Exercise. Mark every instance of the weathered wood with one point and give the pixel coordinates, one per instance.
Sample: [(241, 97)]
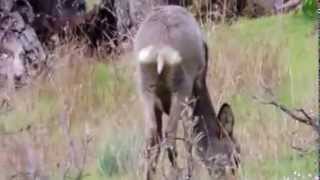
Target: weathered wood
[(287, 6)]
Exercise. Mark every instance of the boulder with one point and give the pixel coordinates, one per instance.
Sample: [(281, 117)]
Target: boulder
[(20, 49)]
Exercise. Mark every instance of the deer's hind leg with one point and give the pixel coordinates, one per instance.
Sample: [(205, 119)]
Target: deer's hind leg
[(153, 123)]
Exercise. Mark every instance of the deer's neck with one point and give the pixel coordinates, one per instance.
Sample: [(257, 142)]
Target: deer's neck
[(204, 110)]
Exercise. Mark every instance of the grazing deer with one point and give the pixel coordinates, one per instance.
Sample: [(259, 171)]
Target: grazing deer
[(172, 64)]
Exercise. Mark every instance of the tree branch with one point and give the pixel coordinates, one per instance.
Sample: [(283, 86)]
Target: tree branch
[(299, 115)]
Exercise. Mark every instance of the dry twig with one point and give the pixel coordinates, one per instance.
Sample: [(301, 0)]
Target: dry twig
[(299, 115)]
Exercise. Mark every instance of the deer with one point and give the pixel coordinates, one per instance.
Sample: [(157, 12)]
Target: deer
[(172, 60)]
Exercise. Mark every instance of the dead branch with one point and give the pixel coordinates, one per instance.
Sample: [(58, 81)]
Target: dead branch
[(290, 5), (299, 115)]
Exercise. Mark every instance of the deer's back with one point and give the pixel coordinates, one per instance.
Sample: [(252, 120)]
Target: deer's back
[(175, 27)]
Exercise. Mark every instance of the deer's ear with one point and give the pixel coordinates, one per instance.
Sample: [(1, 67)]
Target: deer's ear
[(226, 119)]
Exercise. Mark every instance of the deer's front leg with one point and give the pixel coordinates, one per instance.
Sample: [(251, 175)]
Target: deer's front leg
[(182, 92)]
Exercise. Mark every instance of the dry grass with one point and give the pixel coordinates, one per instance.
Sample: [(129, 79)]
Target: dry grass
[(83, 98)]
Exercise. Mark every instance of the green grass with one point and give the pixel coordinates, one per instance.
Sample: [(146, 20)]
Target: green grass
[(290, 166), (297, 38), (287, 47)]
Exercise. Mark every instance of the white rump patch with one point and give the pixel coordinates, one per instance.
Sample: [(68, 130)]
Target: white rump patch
[(162, 56), (171, 56), (146, 55)]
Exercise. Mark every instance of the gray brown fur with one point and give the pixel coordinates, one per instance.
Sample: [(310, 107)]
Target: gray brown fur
[(166, 32)]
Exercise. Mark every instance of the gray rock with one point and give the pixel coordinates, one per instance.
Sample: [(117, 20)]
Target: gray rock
[(6, 5), (22, 52)]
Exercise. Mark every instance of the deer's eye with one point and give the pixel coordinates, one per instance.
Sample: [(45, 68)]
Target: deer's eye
[(35, 66)]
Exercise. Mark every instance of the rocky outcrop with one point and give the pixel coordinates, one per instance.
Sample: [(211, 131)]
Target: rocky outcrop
[(21, 52)]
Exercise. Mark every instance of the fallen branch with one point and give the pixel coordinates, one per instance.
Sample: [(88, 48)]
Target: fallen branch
[(299, 115), (290, 5)]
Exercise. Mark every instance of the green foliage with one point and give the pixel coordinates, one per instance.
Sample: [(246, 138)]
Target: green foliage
[(309, 8)]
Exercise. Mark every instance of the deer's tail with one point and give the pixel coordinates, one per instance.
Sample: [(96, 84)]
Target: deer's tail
[(164, 56)]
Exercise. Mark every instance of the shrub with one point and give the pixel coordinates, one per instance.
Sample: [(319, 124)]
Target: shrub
[(309, 8)]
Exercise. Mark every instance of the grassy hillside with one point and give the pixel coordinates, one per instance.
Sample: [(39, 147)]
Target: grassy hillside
[(85, 119), (278, 54)]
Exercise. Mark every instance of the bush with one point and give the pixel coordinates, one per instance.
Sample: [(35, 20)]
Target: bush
[(309, 8)]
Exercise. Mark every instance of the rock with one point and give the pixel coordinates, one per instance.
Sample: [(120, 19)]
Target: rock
[(6, 5), (25, 10), (22, 53)]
